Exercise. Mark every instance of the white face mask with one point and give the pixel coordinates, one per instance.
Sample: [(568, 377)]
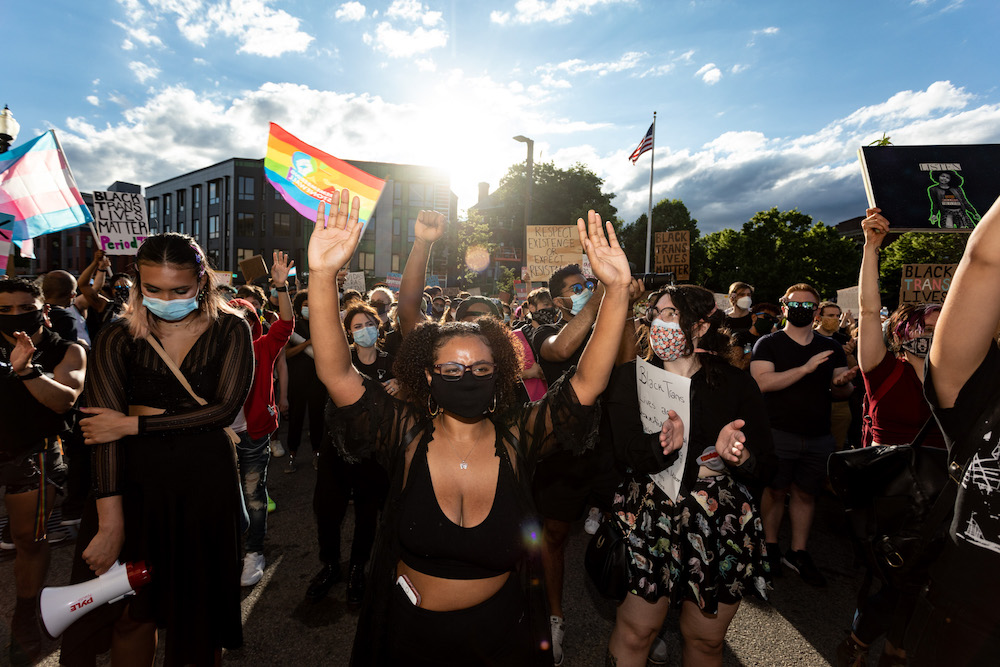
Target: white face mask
[(744, 303)]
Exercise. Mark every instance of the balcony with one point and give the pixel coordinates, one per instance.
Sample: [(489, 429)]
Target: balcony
[(507, 254)]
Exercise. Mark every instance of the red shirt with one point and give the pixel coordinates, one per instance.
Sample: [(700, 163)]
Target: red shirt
[(902, 410), (260, 411)]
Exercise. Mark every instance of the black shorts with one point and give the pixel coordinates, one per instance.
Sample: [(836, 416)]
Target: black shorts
[(23, 473), (566, 485), (801, 460)]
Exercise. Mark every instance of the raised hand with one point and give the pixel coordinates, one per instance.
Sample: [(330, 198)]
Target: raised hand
[(280, 268), (875, 227), (430, 226), (335, 238), (24, 350), (607, 259)]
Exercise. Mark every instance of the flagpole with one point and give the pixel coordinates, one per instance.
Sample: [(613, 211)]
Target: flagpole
[(649, 215)]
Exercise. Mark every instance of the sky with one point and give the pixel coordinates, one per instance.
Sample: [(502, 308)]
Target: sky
[(759, 104)]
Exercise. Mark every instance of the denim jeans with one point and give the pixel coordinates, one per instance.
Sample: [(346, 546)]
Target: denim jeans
[(253, 456)]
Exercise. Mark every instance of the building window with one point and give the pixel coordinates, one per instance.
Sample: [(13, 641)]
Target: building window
[(213, 226), (180, 202), (154, 209), (166, 206), (213, 192), (90, 242), (244, 224), (213, 256), (395, 226), (395, 264), (246, 185), (196, 197), (397, 194), (244, 253), (166, 227), (180, 226), (282, 224), (195, 228), (416, 195), (411, 233), (366, 261), (298, 226)]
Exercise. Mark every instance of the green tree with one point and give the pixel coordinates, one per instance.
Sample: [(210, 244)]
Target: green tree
[(668, 215), (916, 248), (558, 196), (473, 241), (505, 283), (775, 250)]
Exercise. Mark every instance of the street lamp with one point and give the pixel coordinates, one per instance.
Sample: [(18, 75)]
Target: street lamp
[(8, 129), (527, 199)]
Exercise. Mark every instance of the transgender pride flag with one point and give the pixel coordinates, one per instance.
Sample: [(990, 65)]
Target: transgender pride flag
[(6, 232), (38, 189), (305, 175)]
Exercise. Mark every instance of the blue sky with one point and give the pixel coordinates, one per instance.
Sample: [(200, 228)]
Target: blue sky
[(759, 104)]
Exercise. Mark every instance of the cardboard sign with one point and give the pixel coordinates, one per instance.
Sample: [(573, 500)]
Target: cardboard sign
[(221, 278), (253, 268), (659, 392), (356, 280), (551, 247), (926, 283), (848, 300), (672, 253), (393, 280), (931, 188), (120, 221)]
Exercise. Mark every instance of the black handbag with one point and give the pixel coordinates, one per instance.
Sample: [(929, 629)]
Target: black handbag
[(607, 560), (889, 493)]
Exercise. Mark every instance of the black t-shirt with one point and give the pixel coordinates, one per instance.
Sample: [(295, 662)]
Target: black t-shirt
[(63, 323), (969, 562), (804, 406), (553, 370), (745, 339), (739, 323), (380, 369)]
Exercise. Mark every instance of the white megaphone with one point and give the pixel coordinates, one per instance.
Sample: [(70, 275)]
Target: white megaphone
[(60, 606)]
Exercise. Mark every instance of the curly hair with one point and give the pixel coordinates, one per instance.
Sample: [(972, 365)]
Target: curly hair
[(907, 322), (694, 305), (419, 351), (10, 285)]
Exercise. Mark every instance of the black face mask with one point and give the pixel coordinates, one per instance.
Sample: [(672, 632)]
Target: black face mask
[(381, 307), (468, 397), (764, 324), (546, 315), (29, 323), (918, 347), (800, 317)]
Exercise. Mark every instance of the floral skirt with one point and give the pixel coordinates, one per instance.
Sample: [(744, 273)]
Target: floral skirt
[(706, 547)]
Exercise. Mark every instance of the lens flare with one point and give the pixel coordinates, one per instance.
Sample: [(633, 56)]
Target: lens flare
[(477, 258)]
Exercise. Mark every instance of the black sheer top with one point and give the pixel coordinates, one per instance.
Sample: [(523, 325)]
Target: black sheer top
[(124, 371)]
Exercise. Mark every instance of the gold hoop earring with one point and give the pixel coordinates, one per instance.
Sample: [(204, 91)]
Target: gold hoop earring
[(494, 406), (436, 410)]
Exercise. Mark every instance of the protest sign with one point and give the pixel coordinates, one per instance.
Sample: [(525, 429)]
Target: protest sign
[(931, 188), (659, 392), (253, 268), (847, 299), (926, 283), (221, 278), (520, 290), (120, 221), (672, 253), (356, 280), (392, 280), (551, 247)]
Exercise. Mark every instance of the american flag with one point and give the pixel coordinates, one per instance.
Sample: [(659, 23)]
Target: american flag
[(644, 145)]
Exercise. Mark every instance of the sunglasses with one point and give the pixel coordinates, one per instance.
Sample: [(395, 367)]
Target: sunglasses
[(578, 287), (811, 305)]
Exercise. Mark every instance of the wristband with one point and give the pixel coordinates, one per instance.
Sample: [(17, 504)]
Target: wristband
[(283, 288), (36, 372)]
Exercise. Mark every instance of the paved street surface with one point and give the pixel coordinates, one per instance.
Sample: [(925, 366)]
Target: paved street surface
[(800, 626)]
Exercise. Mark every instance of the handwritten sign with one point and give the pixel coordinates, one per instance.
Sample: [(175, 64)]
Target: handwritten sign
[(221, 278), (672, 252), (520, 290), (847, 299), (392, 281), (551, 247), (926, 283), (659, 392), (356, 281), (120, 221)]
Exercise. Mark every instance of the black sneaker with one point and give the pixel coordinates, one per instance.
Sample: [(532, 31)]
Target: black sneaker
[(355, 586), (773, 558), (323, 582), (25, 636), (800, 561)]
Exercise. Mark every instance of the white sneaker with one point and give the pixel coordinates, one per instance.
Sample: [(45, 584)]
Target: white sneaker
[(277, 450), (593, 521), (558, 632), (253, 569)]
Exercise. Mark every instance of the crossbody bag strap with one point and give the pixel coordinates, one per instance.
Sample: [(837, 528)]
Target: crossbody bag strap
[(153, 343), (884, 388)]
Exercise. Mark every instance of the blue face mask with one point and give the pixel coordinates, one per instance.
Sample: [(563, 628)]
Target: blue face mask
[(367, 336), (172, 310), (580, 300), (305, 312)]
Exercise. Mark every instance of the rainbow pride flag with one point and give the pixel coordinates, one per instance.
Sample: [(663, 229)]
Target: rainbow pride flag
[(305, 175)]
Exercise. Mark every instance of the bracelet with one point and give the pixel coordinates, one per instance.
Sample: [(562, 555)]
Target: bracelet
[(283, 288), (36, 372)]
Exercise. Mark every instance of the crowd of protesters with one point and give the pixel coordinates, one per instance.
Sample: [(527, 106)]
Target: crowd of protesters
[(459, 424)]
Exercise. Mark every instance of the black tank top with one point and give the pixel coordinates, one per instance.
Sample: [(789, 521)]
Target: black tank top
[(433, 544)]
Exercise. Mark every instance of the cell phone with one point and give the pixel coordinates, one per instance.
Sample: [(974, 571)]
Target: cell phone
[(404, 582)]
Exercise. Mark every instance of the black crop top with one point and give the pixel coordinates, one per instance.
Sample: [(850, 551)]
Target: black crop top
[(433, 544)]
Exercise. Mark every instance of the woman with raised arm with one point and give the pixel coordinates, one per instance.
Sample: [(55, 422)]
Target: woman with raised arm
[(452, 579), (892, 367), (164, 467)]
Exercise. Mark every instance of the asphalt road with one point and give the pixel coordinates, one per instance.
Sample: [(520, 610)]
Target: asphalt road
[(801, 625)]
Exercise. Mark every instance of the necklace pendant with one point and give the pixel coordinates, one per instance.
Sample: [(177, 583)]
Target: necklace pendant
[(463, 465)]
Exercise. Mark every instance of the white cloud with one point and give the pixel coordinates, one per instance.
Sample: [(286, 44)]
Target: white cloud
[(397, 43), (629, 60), (143, 72), (350, 11), (739, 67), (710, 74), (767, 32), (554, 11), (138, 33), (687, 57), (425, 65), (659, 70), (93, 99), (413, 11)]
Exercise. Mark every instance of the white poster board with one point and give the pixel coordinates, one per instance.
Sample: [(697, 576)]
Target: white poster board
[(120, 221), (356, 280), (659, 392), (847, 299)]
